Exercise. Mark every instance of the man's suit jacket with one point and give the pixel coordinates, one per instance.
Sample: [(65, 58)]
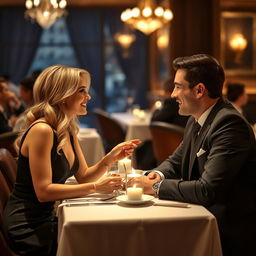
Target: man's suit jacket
[(4, 126), (220, 175)]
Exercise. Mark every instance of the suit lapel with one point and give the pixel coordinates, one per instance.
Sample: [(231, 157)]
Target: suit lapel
[(186, 150), (205, 128), (196, 148)]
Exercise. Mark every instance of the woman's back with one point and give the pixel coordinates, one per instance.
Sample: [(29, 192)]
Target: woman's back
[(28, 220)]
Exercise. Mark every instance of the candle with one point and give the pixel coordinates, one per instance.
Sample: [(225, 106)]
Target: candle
[(136, 112), (141, 114), (134, 193), (124, 166), (158, 104)]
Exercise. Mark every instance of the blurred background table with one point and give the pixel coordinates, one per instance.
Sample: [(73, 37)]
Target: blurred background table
[(91, 145), (142, 230), (136, 128)]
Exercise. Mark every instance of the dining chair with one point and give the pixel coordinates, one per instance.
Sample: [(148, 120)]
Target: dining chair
[(7, 140), (8, 165), (4, 195), (111, 130), (165, 139)]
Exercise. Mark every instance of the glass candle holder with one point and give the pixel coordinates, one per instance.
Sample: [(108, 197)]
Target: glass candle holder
[(124, 166), (134, 185)]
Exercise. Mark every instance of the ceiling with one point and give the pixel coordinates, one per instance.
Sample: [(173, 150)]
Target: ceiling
[(79, 2), (91, 3)]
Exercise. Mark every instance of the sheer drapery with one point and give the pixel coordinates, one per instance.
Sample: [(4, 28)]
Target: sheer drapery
[(19, 39)]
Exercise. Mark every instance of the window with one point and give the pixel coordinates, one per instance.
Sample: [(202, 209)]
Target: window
[(115, 89), (55, 48)]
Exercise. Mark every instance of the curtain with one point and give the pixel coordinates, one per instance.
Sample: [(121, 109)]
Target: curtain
[(135, 66), (85, 29), (19, 39)]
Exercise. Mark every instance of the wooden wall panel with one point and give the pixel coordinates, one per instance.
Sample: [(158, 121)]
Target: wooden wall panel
[(195, 27)]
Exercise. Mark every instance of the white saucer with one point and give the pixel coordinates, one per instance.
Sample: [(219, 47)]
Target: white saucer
[(145, 198)]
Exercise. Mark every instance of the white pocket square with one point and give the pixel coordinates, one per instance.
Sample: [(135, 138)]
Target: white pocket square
[(200, 152)]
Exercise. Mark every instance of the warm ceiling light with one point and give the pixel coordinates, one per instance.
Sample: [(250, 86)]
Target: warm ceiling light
[(147, 17), (45, 12)]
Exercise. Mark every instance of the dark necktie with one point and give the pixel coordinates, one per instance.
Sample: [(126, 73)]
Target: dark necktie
[(195, 130), (194, 135)]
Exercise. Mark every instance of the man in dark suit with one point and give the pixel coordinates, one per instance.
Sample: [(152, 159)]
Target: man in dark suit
[(10, 107), (215, 165)]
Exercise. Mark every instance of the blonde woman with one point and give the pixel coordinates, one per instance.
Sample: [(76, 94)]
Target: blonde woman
[(49, 153)]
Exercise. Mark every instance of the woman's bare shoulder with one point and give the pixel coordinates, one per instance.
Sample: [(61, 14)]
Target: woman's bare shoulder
[(41, 130)]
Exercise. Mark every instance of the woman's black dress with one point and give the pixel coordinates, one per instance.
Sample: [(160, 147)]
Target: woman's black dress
[(31, 226)]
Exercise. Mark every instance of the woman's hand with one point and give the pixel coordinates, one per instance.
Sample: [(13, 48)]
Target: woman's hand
[(107, 185), (122, 150)]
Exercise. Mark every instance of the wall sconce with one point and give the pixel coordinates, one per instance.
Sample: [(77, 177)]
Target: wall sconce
[(163, 37), (125, 40), (238, 43)]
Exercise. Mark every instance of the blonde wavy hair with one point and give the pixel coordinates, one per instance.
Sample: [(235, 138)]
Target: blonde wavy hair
[(52, 87)]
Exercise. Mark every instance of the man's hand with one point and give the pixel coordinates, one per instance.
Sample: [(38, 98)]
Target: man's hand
[(149, 180)]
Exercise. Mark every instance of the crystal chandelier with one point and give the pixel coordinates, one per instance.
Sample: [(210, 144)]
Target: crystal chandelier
[(45, 12), (147, 17)]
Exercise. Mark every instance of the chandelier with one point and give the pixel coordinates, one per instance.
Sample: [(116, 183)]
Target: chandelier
[(45, 12), (147, 17)]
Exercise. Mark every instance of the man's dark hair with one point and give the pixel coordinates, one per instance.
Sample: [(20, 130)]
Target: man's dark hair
[(2, 80), (35, 73), (28, 83), (234, 91), (202, 68)]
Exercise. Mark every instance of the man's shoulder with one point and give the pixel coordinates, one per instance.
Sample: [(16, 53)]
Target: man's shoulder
[(228, 112), (230, 119)]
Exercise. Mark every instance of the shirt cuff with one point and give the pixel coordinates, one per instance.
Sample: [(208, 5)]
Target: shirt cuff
[(160, 173)]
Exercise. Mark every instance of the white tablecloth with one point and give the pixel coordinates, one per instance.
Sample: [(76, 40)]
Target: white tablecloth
[(142, 230), (91, 145), (136, 128)]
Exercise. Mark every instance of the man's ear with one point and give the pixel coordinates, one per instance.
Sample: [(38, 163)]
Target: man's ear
[(200, 90)]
